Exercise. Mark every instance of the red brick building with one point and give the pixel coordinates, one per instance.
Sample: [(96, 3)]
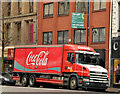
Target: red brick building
[(55, 25)]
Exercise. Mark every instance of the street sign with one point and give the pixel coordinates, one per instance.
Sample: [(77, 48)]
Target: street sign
[(77, 20)]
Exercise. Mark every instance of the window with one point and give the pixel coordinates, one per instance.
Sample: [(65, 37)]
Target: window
[(48, 9), (31, 6), (70, 57), (47, 38), (63, 8), (99, 5), (19, 31), (9, 8), (80, 36), (19, 6), (30, 40), (8, 31), (87, 59), (99, 35), (81, 6), (62, 37)]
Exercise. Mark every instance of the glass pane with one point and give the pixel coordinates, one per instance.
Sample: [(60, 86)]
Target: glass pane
[(31, 2), (95, 35), (81, 6), (45, 38), (102, 34), (83, 35), (50, 38), (66, 7), (116, 71), (77, 36), (61, 8), (51, 9), (66, 37), (103, 4), (78, 7), (96, 5), (46, 10), (19, 4), (60, 37)]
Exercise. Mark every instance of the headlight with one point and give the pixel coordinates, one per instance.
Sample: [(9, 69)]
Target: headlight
[(85, 79)]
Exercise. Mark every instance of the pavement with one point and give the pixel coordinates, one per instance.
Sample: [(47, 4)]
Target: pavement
[(114, 90)]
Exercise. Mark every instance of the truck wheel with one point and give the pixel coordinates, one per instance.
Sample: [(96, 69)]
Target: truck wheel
[(24, 80), (73, 83), (32, 80)]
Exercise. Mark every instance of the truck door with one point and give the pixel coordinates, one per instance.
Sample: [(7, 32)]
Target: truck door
[(69, 62)]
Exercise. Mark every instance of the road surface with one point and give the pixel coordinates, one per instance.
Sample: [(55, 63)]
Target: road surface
[(17, 89)]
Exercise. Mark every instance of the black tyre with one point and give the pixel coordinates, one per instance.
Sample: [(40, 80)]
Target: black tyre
[(24, 81), (32, 81), (73, 83)]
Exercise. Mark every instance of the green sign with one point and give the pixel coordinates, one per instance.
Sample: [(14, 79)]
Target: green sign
[(77, 20)]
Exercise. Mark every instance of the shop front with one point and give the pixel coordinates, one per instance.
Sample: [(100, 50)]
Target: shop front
[(115, 63)]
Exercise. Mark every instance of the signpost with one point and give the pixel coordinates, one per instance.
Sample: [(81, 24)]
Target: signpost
[(77, 20)]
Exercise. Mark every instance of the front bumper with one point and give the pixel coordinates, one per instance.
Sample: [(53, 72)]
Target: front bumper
[(95, 85)]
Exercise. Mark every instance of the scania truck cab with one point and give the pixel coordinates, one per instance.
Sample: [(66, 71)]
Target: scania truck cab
[(84, 63)]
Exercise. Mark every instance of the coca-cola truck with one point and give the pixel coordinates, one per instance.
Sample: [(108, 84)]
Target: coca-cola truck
[(68, 65)]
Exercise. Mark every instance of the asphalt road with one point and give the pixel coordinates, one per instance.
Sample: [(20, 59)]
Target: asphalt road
[(34, 90)]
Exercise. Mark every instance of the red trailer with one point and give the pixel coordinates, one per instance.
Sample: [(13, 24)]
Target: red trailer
[(71, 65)]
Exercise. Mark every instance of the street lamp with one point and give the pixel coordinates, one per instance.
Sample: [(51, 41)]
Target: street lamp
[(88, 23)]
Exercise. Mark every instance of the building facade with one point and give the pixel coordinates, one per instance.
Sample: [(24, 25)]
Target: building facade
[(55, 25), (19, 23), (115, 57)]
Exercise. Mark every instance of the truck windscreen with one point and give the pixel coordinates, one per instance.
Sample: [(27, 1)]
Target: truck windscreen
[(87, 59)]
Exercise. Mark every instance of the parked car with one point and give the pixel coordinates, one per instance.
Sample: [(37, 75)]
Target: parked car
[(6, 78)]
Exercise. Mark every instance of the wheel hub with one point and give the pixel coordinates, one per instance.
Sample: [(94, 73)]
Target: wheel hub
[(31, 81), (73, 83)]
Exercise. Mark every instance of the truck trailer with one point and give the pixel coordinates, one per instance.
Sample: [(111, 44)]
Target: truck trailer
[(67, 65)]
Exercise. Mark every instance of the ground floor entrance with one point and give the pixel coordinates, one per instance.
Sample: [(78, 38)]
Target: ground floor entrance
[(115, 63)]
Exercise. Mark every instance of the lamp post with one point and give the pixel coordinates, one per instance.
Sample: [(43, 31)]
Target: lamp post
[(87, 22), (2, 39)]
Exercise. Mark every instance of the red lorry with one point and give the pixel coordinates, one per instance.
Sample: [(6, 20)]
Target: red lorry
[(69, 65)]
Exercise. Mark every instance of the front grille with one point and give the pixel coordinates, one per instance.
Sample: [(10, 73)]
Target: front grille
[(98, 77)]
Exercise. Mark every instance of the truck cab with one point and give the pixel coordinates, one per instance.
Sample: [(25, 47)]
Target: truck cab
[(82, 63)]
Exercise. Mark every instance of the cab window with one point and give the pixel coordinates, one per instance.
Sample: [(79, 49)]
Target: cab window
[(70, 57)]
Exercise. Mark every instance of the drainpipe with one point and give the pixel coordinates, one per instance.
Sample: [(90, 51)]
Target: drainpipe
[(110, 38), (37, 25)]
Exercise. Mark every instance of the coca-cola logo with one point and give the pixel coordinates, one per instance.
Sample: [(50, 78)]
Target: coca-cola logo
[(37, 59)]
